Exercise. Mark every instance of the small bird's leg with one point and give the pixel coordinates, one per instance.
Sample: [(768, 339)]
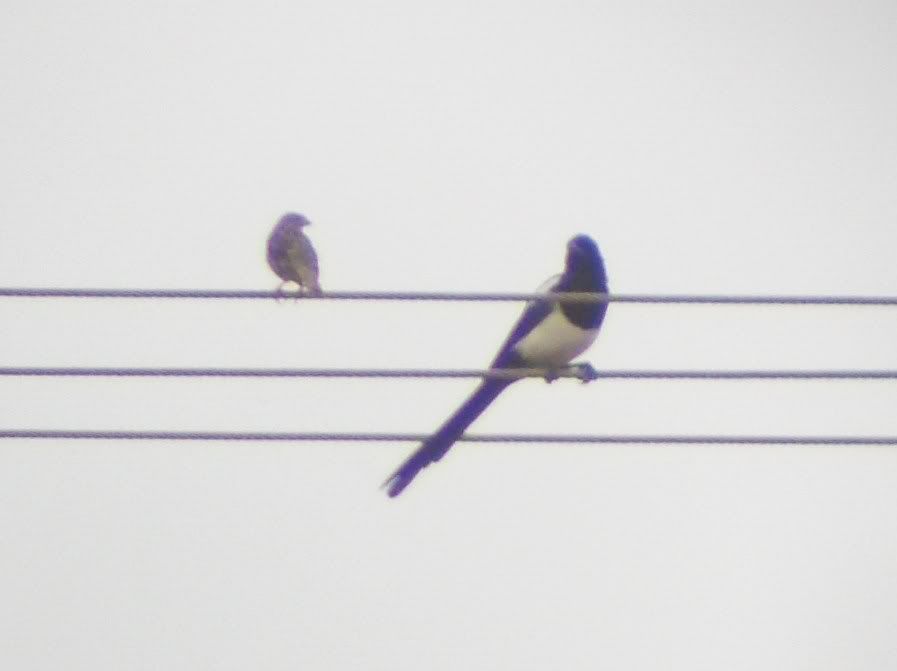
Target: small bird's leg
[(552, 374), (280, 294), (283, 293)]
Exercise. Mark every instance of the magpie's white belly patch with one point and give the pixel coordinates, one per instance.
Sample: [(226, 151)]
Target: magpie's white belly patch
[(555, 342)]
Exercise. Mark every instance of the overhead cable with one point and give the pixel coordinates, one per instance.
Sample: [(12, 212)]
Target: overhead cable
[(568, 297), (66, 434), (504, 374)]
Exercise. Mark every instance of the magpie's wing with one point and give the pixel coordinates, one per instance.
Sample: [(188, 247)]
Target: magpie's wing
[(533, 314), (435, 447)]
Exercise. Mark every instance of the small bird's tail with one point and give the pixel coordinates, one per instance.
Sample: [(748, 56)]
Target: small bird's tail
[(314, 287), (435, 447)]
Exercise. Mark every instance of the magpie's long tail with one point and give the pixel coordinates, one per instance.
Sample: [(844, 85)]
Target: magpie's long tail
[(435, 447)]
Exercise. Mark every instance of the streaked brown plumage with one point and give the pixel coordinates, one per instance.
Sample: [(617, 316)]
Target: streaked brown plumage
[(291, 255)]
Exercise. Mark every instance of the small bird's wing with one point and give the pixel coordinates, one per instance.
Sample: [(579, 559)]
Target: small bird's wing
[(292, 257), (304, 253), (303, 259), (277, 258)]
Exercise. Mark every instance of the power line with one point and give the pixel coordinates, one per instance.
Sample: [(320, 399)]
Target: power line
[(387, 373), (473, 438), (451, 296)]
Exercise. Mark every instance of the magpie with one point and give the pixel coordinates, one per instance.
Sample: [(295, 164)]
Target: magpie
[(549, 334)]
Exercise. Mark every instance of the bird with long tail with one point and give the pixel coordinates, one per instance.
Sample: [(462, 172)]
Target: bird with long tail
[(548, 335)]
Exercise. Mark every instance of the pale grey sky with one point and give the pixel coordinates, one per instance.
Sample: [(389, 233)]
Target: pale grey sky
[(708, 147)]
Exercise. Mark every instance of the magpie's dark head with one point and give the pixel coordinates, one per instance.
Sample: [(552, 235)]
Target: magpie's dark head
[(582, 251), (585, 268), (293, 220)]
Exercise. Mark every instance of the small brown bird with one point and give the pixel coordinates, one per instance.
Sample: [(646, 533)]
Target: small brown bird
[(291, 255)]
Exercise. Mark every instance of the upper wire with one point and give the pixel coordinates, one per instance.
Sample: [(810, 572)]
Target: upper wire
[(567, 297), (506, 374), (70, 434)]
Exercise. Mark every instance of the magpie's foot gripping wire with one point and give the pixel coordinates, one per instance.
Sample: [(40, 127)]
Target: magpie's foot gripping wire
[(584, 371)]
